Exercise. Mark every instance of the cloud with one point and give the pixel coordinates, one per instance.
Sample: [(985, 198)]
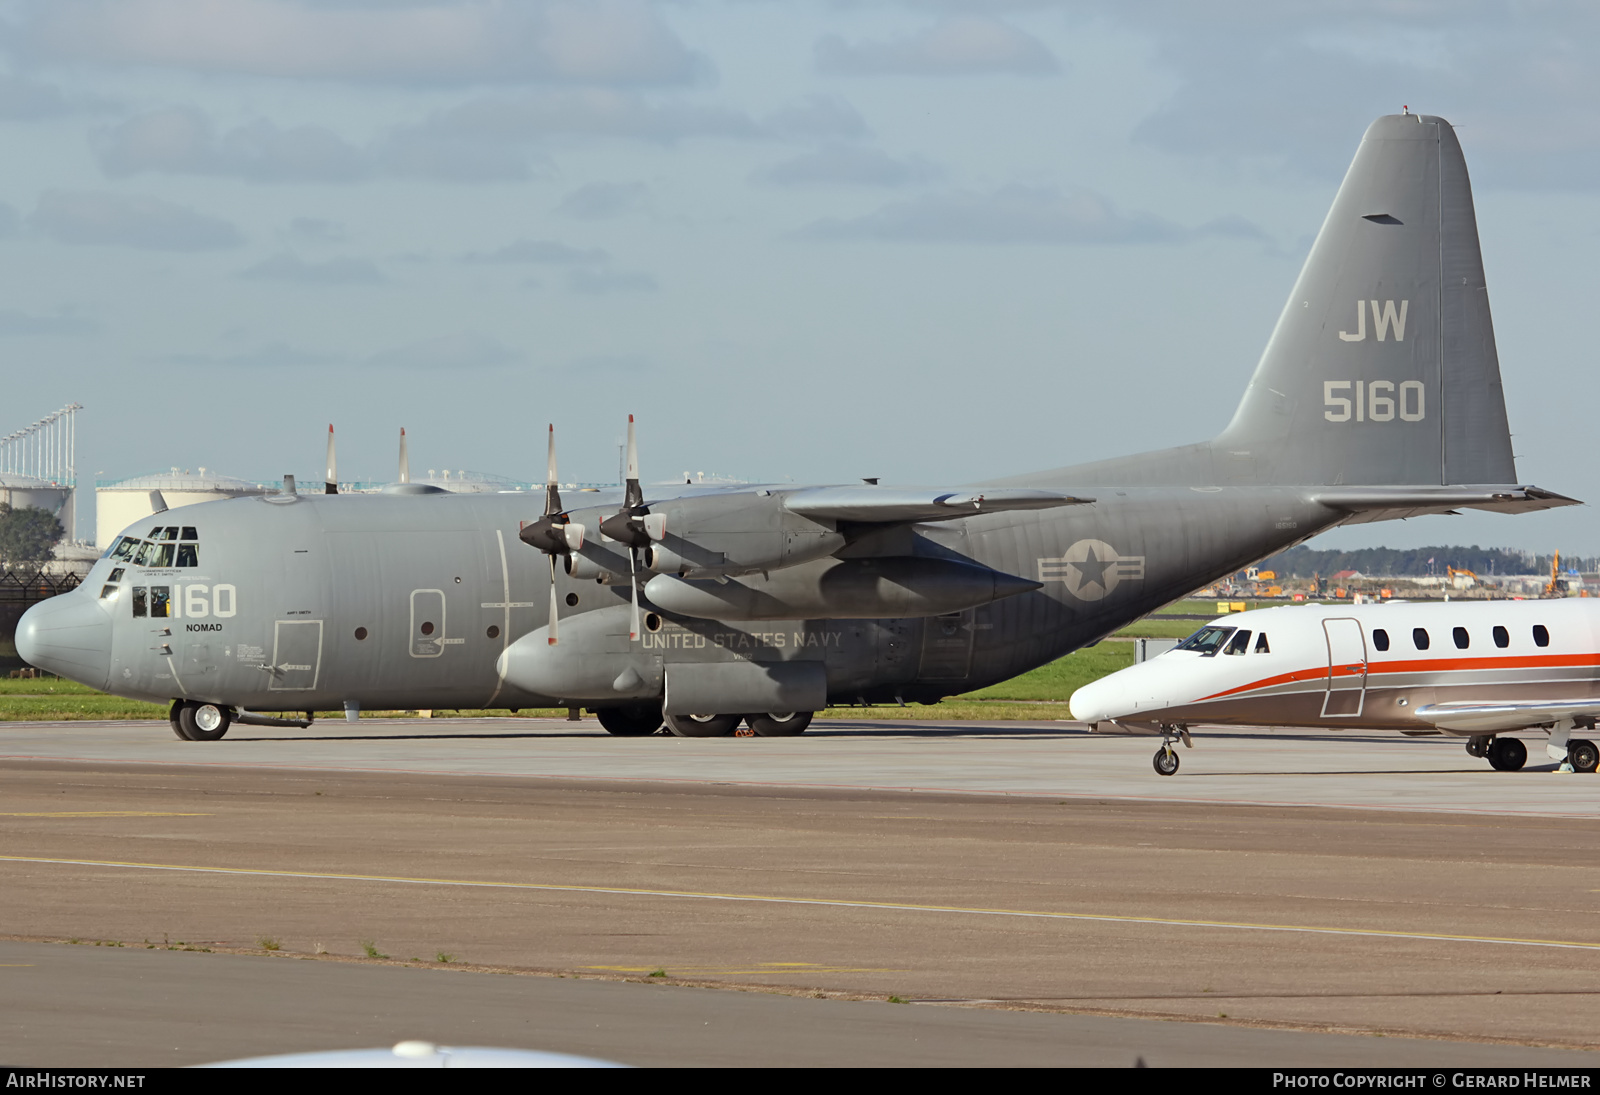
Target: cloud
[(543, 252), (183, 141), (271, 355), (816, 117), (602, 200), (1014, 214), (433, 41), (338, 271), (15, 323), (594, 111), (9, 221), (448, 353), (958, 46), (317, 230), (840, 164), (23, 100), (117, 220), (600, 282)]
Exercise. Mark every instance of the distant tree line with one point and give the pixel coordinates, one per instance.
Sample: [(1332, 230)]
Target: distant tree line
[(1303, 562), (27, 534)]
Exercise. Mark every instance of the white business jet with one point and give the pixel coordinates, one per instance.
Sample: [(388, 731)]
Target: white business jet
[(1476, 669)]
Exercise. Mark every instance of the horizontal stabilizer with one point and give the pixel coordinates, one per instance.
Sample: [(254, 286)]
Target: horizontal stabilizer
[(1382, 503), (892, 506), (1494, 718)]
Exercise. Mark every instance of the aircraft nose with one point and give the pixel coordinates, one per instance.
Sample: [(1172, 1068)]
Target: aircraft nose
[(69, 635), (1091, 703)]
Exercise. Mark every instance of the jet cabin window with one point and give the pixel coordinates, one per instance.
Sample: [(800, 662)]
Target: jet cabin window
[(1207, 641), (1502, 637), (1541, 637), (1239, 644), (1380, 639), (1419, 637), (1463, 640)]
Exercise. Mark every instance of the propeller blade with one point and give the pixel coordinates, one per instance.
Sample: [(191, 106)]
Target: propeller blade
[(632, 497), (554, 615), (552, 492), (405, 460), (633, 580), (331, 484)]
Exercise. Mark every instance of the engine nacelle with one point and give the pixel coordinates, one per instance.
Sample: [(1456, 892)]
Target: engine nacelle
[(661, 559), (597, 564)]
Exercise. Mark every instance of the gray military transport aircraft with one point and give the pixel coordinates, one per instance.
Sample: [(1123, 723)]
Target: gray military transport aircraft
[(1378, 397)]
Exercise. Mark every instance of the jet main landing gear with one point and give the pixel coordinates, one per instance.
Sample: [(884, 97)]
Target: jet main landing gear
[(193, 721), (1507, 754)]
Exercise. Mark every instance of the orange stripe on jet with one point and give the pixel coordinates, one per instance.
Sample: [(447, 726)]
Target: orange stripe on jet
[(1418, 665)]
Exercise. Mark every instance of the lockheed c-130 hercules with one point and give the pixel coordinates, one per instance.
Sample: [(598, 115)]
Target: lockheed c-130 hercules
[(1378, 396)]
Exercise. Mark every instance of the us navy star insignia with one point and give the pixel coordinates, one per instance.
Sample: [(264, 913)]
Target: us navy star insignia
[(1090, 569)]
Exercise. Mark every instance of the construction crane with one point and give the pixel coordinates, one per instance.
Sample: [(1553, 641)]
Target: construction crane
[(1556, 587)]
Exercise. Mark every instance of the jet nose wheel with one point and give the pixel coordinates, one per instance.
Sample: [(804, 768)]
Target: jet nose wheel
[(1582, 755), (1166, 761), (202, 721)]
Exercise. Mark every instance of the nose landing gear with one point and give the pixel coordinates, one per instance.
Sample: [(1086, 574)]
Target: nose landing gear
[(1165, 761), (192, 721)]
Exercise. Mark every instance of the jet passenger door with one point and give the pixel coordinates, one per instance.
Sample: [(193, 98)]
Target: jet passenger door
[(1347, 669)]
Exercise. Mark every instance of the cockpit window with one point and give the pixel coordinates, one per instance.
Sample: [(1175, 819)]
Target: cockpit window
[(124, 548), (1239, 644), (1261, 644), (108, 591), (160, 601), (140, 601), (171, 533), (160, 555), (142, 554), (1207, 641), (116, 574), (155, 533), (188, 555), (188, 533)]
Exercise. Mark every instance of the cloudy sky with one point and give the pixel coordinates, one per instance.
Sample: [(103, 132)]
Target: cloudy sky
[(930, 241)]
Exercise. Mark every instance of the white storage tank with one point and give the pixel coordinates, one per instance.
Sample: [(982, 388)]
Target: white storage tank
[(24, 490), (120, 504)]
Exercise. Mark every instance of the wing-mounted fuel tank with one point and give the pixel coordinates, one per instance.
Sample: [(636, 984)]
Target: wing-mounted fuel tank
[(840, 589), (593, 661)]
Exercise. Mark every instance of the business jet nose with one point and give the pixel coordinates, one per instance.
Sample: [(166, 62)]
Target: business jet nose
[(68, 635), (1094, 702)]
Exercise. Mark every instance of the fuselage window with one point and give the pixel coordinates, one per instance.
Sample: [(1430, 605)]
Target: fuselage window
[(139, 601), (116, 574), (1463, 640), (160, 555), (1239, 644), (188, 555), (1502, 637), (160, 601), (108, 592), (1380, 639), (189, 533), (124, 550), (1419, 637), (1207, 641), (1541, 637), (1261, 644)]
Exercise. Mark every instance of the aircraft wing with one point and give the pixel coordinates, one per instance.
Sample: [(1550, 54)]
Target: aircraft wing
[(1492, 718), (1387, 503), (890, 505)]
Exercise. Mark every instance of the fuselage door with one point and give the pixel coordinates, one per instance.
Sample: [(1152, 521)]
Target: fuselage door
[(427, 623), (1347, 669), (296, 655)]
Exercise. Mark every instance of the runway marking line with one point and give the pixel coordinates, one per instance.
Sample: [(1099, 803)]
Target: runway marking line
[(106, 813), (823, 902)]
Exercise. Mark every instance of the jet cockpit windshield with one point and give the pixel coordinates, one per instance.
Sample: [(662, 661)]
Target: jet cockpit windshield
[(1207, 641)]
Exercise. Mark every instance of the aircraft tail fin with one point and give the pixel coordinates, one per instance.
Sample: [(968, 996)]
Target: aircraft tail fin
[(1382, 368)]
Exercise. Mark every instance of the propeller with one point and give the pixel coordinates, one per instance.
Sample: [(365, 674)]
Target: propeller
[(405, 459), (634, 525), (555, 533), (331, 484)]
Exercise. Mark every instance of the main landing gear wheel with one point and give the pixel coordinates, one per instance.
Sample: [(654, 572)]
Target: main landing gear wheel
[(703, 726), (785, 724), (1582, 755), (1478, 746), (203, 721), (172, 717), (1166, 761), (1507, 754), (630, 722)]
